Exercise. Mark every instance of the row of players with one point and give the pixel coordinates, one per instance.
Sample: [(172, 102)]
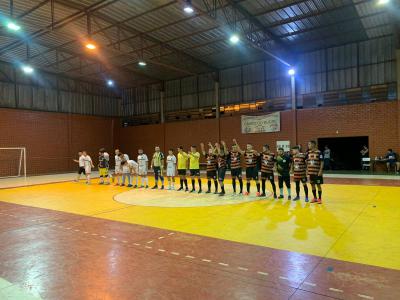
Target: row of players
[(218, 160)]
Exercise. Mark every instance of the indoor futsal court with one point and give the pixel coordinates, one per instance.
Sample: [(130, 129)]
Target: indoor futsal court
[(203, 149)]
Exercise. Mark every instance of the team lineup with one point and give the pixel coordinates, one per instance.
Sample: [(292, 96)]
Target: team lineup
[(305, 166)]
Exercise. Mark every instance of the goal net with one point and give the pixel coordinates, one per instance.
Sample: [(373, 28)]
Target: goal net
[(12, 162)]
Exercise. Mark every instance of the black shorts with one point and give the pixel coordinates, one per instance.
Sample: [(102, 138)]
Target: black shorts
[(316, 179), (81, 170), (236, 172), (268, 176), (284, 179), (212, 174), (302, 179), (221, 173), (252, 173), (194, 172), (182, 172)]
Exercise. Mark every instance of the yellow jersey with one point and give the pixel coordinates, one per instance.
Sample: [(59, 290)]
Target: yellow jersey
[(194, 160), (182, 160)]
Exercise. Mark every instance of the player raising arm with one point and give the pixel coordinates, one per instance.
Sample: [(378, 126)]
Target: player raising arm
[(211, 160), (182, 167), (222, 153)]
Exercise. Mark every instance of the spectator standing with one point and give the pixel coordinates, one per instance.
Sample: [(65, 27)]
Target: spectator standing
[(327, 158)]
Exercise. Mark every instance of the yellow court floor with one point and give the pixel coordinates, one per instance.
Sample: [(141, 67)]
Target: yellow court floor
[(355, 223)]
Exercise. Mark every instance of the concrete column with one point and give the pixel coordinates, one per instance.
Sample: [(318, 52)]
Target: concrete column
[(294, 108), (216, 98), (162, 116)]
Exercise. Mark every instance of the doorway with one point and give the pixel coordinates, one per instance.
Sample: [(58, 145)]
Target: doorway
[(345, 151)]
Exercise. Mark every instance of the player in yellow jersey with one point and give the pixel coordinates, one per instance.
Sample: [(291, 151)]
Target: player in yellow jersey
[(182, 167), (194, 167)]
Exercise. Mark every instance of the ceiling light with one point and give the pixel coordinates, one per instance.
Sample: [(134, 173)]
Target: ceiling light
[(27, 69), (291, 72), (142, 63), (383, 2), (90, 46), (13, 26), (188, 8), (234, 39), (110, 82)]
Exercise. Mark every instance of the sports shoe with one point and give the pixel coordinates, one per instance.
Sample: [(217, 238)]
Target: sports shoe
[(216, 192), (281, 197), (296, 198), (186, 190), (162, 187), (275, 196), (199, 192), (146, 187), (180, 189), (106, 183), (221, 194), (129, 185), (314, 200), (306, 200), (258, 194), (319, 201), (135, 187), (246, 193), (208, 191), (122, 184), (192, 190), (289, 197), (154, 187), (262, 195), (101, 182), (240, 194)]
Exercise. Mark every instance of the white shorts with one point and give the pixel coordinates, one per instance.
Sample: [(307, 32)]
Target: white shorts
[(142, 171), (171, 172), (118, 170), (88, 170)]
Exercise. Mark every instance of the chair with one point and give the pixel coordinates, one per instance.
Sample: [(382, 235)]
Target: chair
[(366, 163)]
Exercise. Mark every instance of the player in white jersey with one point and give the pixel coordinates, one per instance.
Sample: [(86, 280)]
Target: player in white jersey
[(133, 167), (171, 169), (118, 167), (88, 163), (143, 163), (81, 163)]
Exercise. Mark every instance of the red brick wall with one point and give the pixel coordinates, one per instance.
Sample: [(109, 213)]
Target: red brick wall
[(52, 139), (378, 121)]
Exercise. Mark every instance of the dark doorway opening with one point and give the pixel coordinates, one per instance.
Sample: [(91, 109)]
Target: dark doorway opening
[(345, 151)]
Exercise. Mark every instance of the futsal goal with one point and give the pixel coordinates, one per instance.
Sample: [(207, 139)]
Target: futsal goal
[(12, 162)]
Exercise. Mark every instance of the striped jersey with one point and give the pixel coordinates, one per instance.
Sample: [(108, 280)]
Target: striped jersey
[(267, 162), (234, 157), (222, 161), (211, 160), (299, 166), (250, 158), (314, 159)]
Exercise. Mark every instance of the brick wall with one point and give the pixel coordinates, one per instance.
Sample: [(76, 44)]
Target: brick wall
[(52, 140), (378, 121)]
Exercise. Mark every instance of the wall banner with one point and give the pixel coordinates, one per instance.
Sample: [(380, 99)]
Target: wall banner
[(264, 123)]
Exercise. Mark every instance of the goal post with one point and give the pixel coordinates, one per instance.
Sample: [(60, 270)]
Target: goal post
[(12, 162)]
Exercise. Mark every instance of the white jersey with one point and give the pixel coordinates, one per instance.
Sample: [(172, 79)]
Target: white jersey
[(88, 164), (143, 162), (125, 168), (171, 165), (133, 166), (106, 156), (117, 161), (81, 161)]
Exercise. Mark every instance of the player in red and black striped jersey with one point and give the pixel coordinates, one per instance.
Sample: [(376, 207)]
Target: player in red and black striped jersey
[(315, 166), (268, 161), (251, 157), (211, 160), (299, 169), (236, 168), (222, 153)]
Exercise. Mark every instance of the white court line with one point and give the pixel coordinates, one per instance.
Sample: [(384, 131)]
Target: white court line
[(175, 253), (76, 230), (148, 247), (149, 242), (161, 237), (310, 283), (262, 273), (243, 269), (85, 232), (336, 290), (283, 278), (124, 241), (104, 236), (161, 250), (365, 296), (189, 256), (136, 244), (171, 233), (68, 228), (114, 239), (223, 264), (94, 234), (206, 260)]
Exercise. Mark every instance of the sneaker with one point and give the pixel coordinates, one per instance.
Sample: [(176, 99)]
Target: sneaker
[(262, 195), (289, 197), (199, 192), (240, 194), (192, 190), (296, 198), (168, 188), (246, 193), (146, 187), (208, 191), (314, 200), (216, 192), (306, 200), (162, 187), (275, 196), (135, 186), (319, 201), (258, 194), (106, 183), (122, 184), (281, 197), (180, 189), (154, 187), (129, 185), (140, 187), (186, 190), (221, 194)]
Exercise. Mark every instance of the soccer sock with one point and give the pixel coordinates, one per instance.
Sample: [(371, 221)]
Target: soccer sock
[(118, 179), (258, 187), (199, 182), (320, 194), (273, 186), (248, 187), (186, 183), (281, 191), (136, 180), (298, 188), (289, 192), (181, 182), (234, 184), (162, 180), (241, 185), (263, 185), (209, 184), (305, 190), (314, 192), (193, 184), (146, 180), (216, 185)]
